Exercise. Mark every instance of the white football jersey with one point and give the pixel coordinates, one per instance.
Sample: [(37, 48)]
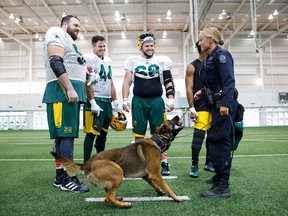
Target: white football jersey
[(148, 68), (73, 60), (103, 67)]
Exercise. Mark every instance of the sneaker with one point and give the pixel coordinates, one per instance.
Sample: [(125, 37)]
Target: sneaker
[(73, 184), (209, 167), (59, 178), (221, 189), (194, 171), (58, 181), (165, 169)]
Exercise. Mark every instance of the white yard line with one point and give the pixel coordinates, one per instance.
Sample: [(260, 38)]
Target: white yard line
[(131, 199)]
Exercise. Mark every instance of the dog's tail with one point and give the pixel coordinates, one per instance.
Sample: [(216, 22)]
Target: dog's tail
[(71, 168)]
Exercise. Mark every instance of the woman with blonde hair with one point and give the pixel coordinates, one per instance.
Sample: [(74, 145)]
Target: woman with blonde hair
[(219, 88)]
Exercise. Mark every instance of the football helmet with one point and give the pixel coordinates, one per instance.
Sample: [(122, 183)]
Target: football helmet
[(143, 37), (118, 121)]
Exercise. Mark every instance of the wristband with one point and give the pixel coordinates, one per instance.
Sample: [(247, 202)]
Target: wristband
[(192, 109)]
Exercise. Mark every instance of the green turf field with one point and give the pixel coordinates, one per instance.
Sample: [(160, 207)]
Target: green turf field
[(258, 178)]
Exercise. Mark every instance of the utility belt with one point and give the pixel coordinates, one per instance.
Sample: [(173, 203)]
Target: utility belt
[(213, 98)]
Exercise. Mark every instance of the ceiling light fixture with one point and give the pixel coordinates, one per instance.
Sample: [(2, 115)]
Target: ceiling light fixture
[(11, 16), (270, 17), (63, 14), (36, 36), (168, 15), (275, 13), (123, 35), (164, 34)]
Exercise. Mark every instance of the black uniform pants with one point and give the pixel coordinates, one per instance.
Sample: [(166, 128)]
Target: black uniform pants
[(220, 141)]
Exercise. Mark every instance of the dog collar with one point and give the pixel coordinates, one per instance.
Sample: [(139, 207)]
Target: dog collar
[(162, 142)]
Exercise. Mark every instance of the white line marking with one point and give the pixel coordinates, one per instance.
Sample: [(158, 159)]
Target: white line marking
[(164, 177), (137, 199), (235, 156)]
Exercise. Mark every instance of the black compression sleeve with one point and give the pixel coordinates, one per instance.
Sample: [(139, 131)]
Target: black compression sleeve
[(56, 63), (168, 83)]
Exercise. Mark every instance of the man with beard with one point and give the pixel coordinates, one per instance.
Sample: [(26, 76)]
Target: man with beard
[(65, 91), (148, 73)]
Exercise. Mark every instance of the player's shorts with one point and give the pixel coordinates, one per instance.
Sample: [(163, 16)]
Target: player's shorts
[(145, 110), (94, 124), (203, 121), (63, 119)]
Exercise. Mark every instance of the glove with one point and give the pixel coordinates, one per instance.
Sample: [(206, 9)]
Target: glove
[(95, 108), (115, 106), (192, 110), (93, 78), (170, 104)]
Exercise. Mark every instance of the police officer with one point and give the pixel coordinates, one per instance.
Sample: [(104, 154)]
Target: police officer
[(220, 82)]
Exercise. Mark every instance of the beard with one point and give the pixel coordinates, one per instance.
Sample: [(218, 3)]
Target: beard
[(73, 34), (148, 55)]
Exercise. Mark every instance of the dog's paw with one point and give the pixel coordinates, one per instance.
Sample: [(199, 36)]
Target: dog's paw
[(161, 193), (179, 199)]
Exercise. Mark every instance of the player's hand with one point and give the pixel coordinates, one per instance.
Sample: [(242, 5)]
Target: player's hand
[(197, 95), (170, 104), (95, 108), (72, 96), (93, 78), (193, 114), (126, 105)]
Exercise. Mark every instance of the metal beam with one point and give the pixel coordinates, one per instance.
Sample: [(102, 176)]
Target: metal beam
[(18, 24), (100, 15), (239, 27), (91, 16), (43, 24), (144, 6), (274, 35), (12, 37)]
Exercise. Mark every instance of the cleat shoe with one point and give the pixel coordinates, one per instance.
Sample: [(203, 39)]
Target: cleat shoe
[(165, 169), (221, 190), (209, 167), (59, 178), (194, 171), (211, 181), (58, 181), (73, 184)]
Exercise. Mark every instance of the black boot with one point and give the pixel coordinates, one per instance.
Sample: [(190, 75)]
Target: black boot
[(220, 189), (59, 177), (72, 184)]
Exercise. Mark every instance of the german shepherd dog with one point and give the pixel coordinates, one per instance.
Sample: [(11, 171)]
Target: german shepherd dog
[(137, 160)]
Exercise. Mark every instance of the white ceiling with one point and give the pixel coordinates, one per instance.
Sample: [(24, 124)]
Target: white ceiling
[(98, 16)]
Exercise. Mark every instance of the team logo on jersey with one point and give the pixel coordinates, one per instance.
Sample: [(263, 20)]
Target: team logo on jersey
[(222, 59)]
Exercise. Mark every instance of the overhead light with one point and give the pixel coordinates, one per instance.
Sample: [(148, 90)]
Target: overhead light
[(123, 35), (270, 17), (252, 32), (36, 36), (40, 39), (11, 16), (220, 17), (164, 34), (223, 12), (169, 13), (63, 14), (275, 13)]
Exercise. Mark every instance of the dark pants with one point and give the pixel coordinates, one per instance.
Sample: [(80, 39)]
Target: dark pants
[(220, 141)]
